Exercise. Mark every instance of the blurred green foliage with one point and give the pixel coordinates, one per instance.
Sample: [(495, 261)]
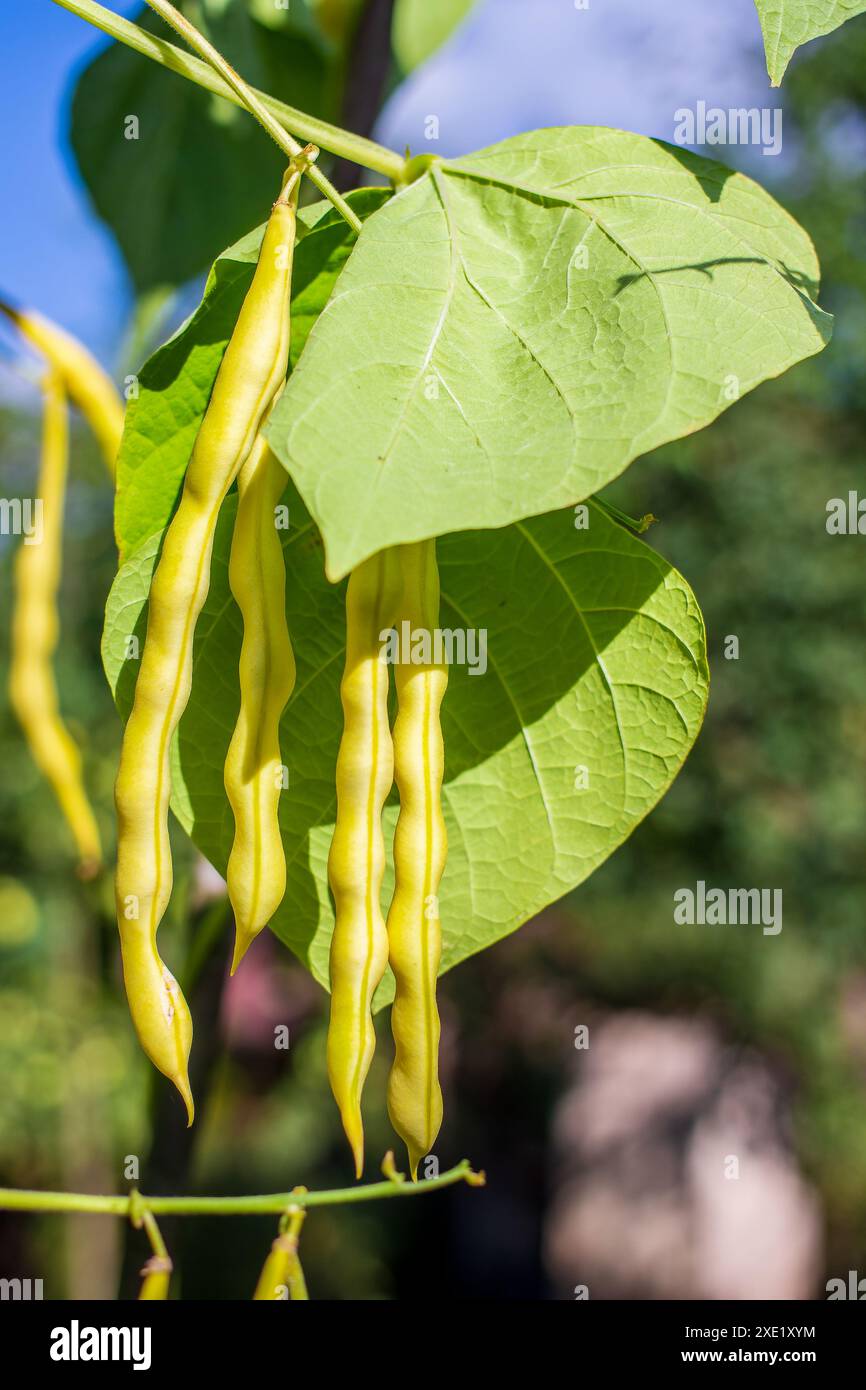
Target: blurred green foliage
[(62, 1030), (773, 796), (194, 173)]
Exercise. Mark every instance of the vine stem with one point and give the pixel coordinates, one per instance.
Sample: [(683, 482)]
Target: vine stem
[(136, 1204), (287, 118), (297, 1283), (281, 137)]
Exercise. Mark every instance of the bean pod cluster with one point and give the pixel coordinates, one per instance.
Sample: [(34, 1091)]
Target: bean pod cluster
[(356, 865), (398, 587)]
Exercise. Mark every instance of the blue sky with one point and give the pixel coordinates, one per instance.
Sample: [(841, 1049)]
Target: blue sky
[(515, 65), (54, 253)]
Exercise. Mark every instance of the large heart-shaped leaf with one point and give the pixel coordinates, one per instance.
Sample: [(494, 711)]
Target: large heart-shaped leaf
[(594, 692), (516, 326), (789, 23), (175, 384)]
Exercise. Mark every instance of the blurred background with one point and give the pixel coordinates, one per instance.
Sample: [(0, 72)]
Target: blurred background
[(609, 1166)]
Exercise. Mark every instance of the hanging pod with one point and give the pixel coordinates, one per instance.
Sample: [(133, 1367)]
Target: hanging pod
[(72, 373), (87, 384), (35, 627), (420, 850), (282, 1277), (253, 770), (356, 864), (252, 372)]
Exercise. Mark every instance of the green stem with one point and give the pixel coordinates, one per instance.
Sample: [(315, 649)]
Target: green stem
[(330, 137), (638, 525), (281, 137), (296, 1281), (13, 1199), (154, 1235)]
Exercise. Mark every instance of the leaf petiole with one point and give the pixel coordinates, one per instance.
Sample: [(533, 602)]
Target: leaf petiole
[(615, 514)]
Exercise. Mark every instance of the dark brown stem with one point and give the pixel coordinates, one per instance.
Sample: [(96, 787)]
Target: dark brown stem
[(369, 68)]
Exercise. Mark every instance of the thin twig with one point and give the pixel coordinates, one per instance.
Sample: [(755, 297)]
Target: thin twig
[(344, 143), (281, 137), (14, 1199)]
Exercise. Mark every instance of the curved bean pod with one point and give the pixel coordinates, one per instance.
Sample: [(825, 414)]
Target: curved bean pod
[(32, 687), (88, 385), (356, 865), (420, 849), (252, 371), (257, 575)]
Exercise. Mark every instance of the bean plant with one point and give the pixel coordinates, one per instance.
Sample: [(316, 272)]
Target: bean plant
[(421, 404)]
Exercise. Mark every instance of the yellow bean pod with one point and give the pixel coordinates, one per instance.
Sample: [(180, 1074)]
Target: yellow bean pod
[(356, 865), (32, 687), (156, 1276), (89, 386), (253, 771), (273, 1282), (282, 1277), (420, 850), (253, 369)]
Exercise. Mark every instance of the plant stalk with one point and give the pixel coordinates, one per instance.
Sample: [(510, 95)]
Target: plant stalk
[(340, 142), (13, 1199), (281, 137)]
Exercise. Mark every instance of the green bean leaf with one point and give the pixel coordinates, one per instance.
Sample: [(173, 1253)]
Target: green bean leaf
[(593, 692), (517, 326), (174, 386), (789, 23)]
